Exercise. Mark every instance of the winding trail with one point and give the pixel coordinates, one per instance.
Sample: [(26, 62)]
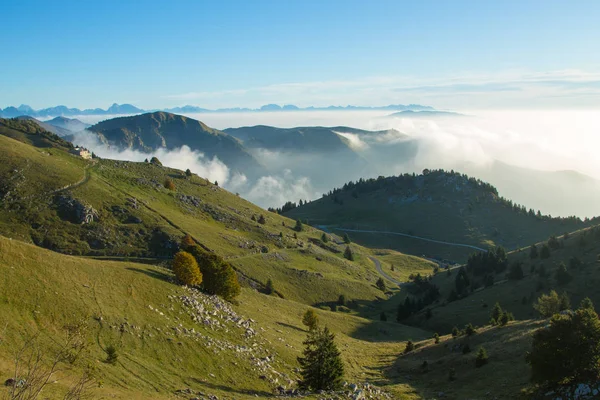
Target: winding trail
[(413, 237), (385, 275)]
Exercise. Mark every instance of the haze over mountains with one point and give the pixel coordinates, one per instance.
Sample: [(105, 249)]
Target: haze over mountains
[(124, 109)]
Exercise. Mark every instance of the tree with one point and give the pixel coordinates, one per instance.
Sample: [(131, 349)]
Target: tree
[(324, 238), (563, 276), (310, 319), (516, 271), (219, 277), (383, 316), (187, 241), (392, 268), (321, 366), (216, 183), (549, 304), (155, 161), (188, 173), (169, 184), (482, 358), (269, 287), (533, 252), (342, 300), (568, 350), (347, 239), (436, 338), (186, 269), (262, 220), (111, 355), (455, 332), (410, 346), (505, 318), (496, 314), (545, 253), (298, 227), (586, 304), (380, 284), (470, 330), (348, 254)]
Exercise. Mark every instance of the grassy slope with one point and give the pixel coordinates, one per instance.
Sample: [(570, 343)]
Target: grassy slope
[(448, 208), (42, 290)]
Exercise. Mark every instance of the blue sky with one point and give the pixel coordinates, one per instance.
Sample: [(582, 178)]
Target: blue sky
[(449, 54)]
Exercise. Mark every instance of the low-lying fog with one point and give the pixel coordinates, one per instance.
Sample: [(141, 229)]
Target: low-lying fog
[(486, 144)]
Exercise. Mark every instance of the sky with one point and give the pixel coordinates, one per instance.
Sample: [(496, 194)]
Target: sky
[(156, 54)]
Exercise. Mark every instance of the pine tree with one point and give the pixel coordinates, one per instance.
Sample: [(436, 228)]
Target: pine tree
[(310, 319), (321, 366), (298, 227), (381, 284), (410, 346), (269, 287), (348, 254), (341, 300), (188, 173), (482, 358), (586, 303), (533, 253), (470, 330), (347, 239), (436, 338), (324, 238), (186, 269), (496, 314)]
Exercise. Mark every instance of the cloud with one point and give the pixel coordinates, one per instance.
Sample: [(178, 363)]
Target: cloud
[(354, 140)]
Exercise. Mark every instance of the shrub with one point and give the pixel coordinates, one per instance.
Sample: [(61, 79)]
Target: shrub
[(299, 227), (505, 318), (347, 239), (187, 241), (482, 358), (436, 338), (342, 300), (568, 350), (549, 304), (410, 346), (262, 220), (310, 319), (188, 173), (455, 332), (348, 254), (324, 238), (186, 269), (169, 184), (470, 330), (111, 355), (380, 284)]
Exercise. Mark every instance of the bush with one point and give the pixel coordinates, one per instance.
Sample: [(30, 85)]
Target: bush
[(299, 227), (262, 220), (324, 238), (348, 254), (188, 173), (186, 269), (568, 350), (436, 338), (186, 242), (410, 346), (505, 318), (111, 355), (347, 239), (549, 304), (482, 358), (381, 284), (455, 332), (169, 184), (470, 330)]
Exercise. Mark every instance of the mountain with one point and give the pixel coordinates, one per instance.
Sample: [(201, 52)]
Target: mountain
[(46, 126), (125, 109), (72, 125), (441, 214), (160, 130)]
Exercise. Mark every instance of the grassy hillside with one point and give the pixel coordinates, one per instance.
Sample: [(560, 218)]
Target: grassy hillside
[(439, 206)]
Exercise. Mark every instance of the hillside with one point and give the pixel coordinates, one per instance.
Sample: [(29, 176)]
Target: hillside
[(70, 124), (417, 212), (152, 131)]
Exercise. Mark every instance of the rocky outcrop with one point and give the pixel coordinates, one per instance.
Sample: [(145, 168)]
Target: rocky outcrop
[(74, 210)]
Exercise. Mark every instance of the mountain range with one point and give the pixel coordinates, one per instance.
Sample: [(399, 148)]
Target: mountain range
[(124, 109)]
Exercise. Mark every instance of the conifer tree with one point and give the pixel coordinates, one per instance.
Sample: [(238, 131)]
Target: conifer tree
[(324, 238), (482, 358), (381, 284), (321, 366), (347, 239), (348, 254), (298, 227), (496, 314), (269, 287), (310, 319)]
